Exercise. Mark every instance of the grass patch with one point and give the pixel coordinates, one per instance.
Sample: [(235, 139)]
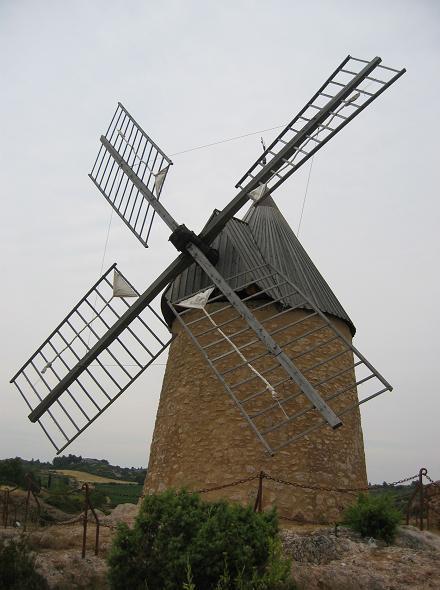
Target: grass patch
[(120, 493), (69, 503), (85, 477)]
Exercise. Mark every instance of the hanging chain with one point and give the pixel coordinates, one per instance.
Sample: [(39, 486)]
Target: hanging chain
[(328, 489), (434, 483), (227, 485), (405, 479), (301, 485)]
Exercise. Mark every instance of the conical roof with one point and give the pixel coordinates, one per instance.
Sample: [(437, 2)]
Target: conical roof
[(262, 237)]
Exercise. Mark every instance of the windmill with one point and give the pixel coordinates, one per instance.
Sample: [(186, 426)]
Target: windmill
[(284, 357)]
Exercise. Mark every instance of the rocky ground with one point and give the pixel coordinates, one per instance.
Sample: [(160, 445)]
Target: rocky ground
[(58, 549), (321, 559), (324, 561)]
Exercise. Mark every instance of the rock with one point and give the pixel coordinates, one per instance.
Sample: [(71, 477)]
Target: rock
[(322, 561), (413, 538), (314, 548), (122, 513), (65, 570)]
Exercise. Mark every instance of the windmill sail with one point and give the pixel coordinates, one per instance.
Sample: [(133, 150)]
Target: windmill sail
[(275, 406), (349, 90), (101, 381), (147, 161)]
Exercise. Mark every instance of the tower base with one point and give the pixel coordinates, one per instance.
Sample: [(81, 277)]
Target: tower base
[(201, 441)]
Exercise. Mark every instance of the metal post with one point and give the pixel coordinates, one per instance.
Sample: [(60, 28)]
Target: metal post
[(87, 505), (85, 487), (97, 539), (257, 499), (260, 492), (258, 506), (423, 471)]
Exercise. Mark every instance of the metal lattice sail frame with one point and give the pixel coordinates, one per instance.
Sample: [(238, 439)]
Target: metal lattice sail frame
[(148, 162), (130, 171), (345, 94), (273, 405), (104, 380)]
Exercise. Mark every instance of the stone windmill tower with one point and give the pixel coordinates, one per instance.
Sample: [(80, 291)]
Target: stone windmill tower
[(200, 439), (262, 373)]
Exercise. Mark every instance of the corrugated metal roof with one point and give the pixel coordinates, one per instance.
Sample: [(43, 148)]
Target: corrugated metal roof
[(263, 237)]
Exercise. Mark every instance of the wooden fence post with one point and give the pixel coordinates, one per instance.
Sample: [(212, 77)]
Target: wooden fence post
[(85, 487)]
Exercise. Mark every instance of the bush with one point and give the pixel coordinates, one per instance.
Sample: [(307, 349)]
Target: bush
[(98, 498), (11, 471), (70, 503), (17, 568), (374, 516), (178, 541)]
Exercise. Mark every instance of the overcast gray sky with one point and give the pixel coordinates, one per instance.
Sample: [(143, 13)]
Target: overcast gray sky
[(192, 73)]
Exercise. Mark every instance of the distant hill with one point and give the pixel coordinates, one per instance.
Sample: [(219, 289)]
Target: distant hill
[(100, 467), (13, 470)]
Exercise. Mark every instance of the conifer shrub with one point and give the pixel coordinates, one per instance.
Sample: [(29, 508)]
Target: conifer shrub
[(17, 567), (178, 541), (374, 515)]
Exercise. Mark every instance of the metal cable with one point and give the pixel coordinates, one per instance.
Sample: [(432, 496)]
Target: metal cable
[(207, 145), (305, 195)]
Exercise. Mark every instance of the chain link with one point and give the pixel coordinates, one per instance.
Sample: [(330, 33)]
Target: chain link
[(49, 521), (405, 479), (342, 490), (227, 485), (434, 483), (298, 485), (312, 487)]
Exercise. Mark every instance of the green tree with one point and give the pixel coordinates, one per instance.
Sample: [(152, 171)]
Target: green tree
[(66, 461)]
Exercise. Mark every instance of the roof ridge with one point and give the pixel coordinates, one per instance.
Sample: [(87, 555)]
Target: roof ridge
[(281, 247)]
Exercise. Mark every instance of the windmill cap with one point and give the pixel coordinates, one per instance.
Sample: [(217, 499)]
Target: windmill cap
[(262, 237)]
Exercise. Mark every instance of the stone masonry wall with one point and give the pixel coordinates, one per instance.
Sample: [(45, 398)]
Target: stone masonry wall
[(201, 440)]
